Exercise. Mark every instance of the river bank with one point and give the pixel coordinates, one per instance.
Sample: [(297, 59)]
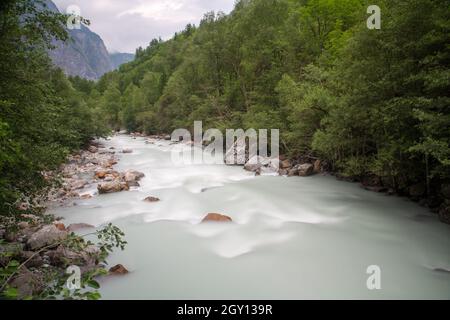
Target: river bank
[(36, 248)]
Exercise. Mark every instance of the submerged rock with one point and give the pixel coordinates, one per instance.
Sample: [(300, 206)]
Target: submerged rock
[(216, 217), (151, 199), (118, 269)]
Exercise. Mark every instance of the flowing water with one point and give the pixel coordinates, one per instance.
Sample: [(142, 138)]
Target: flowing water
[(292, 238)]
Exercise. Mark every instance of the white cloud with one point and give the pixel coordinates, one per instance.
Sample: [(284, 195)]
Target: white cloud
[(126, 25)]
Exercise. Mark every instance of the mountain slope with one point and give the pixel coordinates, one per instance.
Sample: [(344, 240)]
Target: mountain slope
[(117, 59), (84, 54)]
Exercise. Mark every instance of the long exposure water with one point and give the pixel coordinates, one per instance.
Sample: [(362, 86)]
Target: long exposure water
[(291, 238)]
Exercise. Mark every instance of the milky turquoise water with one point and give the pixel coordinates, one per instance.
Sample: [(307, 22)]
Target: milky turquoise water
[(292, 238)]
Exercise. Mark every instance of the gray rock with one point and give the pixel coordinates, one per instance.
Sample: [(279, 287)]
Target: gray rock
[(111, 187), (151, 199), (133, 176), (35, 262), (28, 283), (305, 170), (9, 250), (79, 226), (255, 163), (49, 234)]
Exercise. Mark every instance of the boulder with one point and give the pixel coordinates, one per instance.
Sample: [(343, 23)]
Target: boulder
[(49, 234), (216, 217), (293, 172), (305, 170), (28, 283), (23, 225), (255, 163), (118, 270), (79, 226), (262, 165), (317, 166), (133, 176), (101, 174), (86, 258), (8, 251), (111, 187), (59, 225), (127, 151), (151, 199), (36, 261), (285, 164)]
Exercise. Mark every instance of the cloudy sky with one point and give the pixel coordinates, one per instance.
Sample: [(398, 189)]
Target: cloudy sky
[(125, 25)]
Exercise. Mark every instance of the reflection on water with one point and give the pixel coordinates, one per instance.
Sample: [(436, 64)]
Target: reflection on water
[(292, 238)]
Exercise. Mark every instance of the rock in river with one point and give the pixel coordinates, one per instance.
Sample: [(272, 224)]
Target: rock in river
[(118, 269), (151, 199), (132, 177), (111, 187), (216, 217)]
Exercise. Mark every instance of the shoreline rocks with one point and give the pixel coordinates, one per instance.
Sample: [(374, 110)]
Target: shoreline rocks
[(47, 235)]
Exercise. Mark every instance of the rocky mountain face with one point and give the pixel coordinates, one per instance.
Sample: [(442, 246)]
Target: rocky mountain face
[(84, 54), (117, 59)]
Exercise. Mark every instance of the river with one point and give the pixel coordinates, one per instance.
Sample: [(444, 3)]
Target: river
[(292, 238)]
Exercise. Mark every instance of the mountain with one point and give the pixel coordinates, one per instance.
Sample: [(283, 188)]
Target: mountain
[(85, 53), (117, 59)]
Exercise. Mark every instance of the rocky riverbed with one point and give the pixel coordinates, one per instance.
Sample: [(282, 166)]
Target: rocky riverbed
[(40, 245)]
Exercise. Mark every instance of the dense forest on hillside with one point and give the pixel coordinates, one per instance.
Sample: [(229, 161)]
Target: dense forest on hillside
[(43, 117), (374, 104)]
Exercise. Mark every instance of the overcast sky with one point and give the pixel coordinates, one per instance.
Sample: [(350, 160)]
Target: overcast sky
[(125, 25)]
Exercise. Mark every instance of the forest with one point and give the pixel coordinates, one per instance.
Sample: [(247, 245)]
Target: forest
[(372, 104)]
